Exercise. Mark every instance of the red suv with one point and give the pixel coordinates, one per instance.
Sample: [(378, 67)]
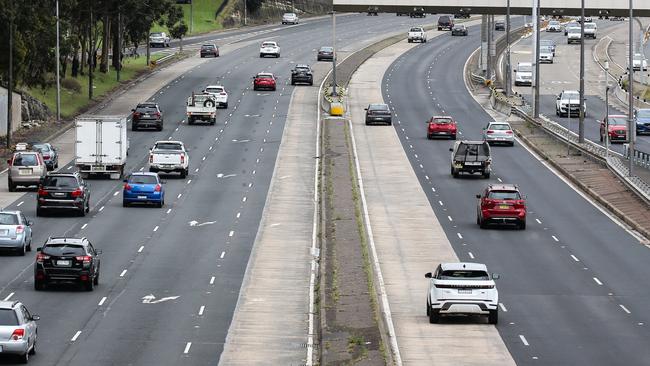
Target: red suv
[(501, 204), (264, 80), (441, 126), (616, 128)]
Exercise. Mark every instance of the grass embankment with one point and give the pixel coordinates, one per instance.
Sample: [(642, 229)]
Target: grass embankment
[(204, 16), (72, 102)]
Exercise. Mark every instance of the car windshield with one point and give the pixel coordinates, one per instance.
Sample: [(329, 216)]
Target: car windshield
[(8, 219), (289, 15), (268, 44), (264, 76), (571, 95), (143, 179), (60, 249), (546, 49), (8, 317), (156, 35), (146, 109), (638, 57), (416, 30), (41, 147), (442, 120), (25, 160), (524, 68), (473, 150), (167, 146), (207, 46), (547, 42), (444, 19), (499, 127), (302, 68), (60, 181), (590, 26), (617, 121), (553, 22), (378, 107), (643, 113), (213, 90), (574, 30), (327, 49), (463, 275), (504, 195)]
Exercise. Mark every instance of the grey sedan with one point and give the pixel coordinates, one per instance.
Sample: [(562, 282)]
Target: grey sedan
[(15, 232), (49, 153)]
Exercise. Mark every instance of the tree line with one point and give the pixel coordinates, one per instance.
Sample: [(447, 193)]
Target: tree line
[(88, 35)]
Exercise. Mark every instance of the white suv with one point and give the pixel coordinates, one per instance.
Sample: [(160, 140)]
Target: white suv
[(462, 289), (269, 48), (568, 102), (289, 18), (219, 93)]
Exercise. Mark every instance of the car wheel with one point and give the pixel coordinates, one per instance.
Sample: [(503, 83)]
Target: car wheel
[(522, 225), (482, 224), (183, 173), (293, 82), (22, 250), (96, 279), (39, 211), (261, 55), (134, 127), (213, 121), (453, 137), (89, 286), (159, 204), (454, 173), (159, 128), (601, 138), (39, 285), (439, 28), (478, 219), (190, 121), (434, 316), (429, 137), (428, 309), (493, 317), (202, 56), (24, 358), (390, 123), (125, 204), (273, 89), (32, 351), (29, 246), (486, 175), (82, 212)]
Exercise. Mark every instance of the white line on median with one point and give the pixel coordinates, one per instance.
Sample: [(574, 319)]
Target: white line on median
[(503, 307), (441, 204), (187, 348), (598, 281), (84, 226), (624, 308), (75, 336), (179, 195), (9, 296), (101, 209), (141, 249), (231, 233), (244, 199), (155, 229), (20, 203), (238, 214), (450, 219), (212, 280), (539, 222), (459, 235), (123, 273), (169, 210), (116, 193), (201, 310), (470, 255), (554, 238), (575, 258), (70, 167), (101, 302), (223, 254), (189, 181), (523, 340)]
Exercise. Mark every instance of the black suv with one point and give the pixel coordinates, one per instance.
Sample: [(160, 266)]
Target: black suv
[(302, 74), (418, 13), (146, 115), (445, 22), (67, 260), (499, 25), (471, 157), (209, 50), (378, 113), (66, 191)]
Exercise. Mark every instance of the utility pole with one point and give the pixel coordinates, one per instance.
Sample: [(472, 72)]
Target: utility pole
[(119, 43), (581, 120), (508, 67), (334, 91), (10, 78), (536, 32), (58, 67), (148, 49), (484, 43), (192, 16), (630, 89), (91, 53), (492, 50), (245, 10)]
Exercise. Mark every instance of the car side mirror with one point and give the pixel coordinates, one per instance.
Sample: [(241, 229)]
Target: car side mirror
[(427, 275), (515, 70), (495, 276), (365, 109), (36, 317), (8, 161), (451, 149), (478, 196), (558, 98), (39, 249), (132, 110), (30, 223)]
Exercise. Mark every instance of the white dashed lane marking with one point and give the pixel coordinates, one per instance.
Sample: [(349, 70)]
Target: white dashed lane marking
[(75, 336), (187, 348), (123, 273), (201, 310), (598, 281), (8, 296), (624, 309), (101, 302), (84, 226), (155, 229), (470, 255), (575, 258), (523, 340), (503, 307), (554, 238)]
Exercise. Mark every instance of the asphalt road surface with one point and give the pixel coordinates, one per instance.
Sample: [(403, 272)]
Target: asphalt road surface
[(194, 271), (572, 286)]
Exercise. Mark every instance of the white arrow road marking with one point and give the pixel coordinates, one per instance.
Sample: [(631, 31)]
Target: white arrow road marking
[(151, 299), (196, 223)]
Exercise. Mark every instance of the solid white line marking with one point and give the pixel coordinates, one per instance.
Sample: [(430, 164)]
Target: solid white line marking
[(223, 254), (450, 219), (169, 210), (575, 258), (441, 204), (554, 238), (21, 202), (231, 233), (141, 169), (123, 273), (201, 310), (141, 249), (116, 193), (101, 209), (523, 340), (238, 214), (101, 302), (212, 280), (84, 226), (244, 199), (598, 281), (539, 222), (8, 297), (189, 181), (76, 335), (470, 255), (459, 235), (70, 167), (155, 229), (625, 309), (503, 307), (179, 195), (187, 348)]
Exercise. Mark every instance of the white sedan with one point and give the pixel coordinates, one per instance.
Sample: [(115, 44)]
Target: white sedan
[(269, 48), (220, 94)]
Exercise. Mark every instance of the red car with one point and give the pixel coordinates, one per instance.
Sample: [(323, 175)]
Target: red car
[(441, 126), (617, 129), (264, 80), (501, 204)]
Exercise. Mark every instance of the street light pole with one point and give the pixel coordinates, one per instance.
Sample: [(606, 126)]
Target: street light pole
[(630, 89), (334, 91), (58, 67), (581, 121), (119, 44), (191, 16), (10, 78), (536, 60), (245, 10), (606, 110), (508, 72)]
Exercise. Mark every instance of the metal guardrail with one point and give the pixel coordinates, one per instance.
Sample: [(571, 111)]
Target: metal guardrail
[(163, 59), (639, 158)]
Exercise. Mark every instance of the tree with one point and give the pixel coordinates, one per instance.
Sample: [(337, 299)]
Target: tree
[(176, 24)]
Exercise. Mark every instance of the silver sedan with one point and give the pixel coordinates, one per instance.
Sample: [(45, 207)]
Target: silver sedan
[(15, 232), (499, 132)]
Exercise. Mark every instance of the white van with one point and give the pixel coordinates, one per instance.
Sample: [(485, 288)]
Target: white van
[(524, 74)]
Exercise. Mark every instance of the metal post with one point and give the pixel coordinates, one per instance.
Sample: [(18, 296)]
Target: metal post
[(606, 110), (581, 121), (484, 43), (91, 53), (58, 67), (245, 10), (508, 71), (536, 61), (490, 31), (630, 89), (334, 58), (119, 45), (148, 49), (191, 16), (10, 79)]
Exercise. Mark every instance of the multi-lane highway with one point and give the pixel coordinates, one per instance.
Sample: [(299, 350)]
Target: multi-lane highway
[(195, 271), (572, 283)]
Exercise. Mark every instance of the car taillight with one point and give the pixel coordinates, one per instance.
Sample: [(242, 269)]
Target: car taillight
[(157, 114), (150, 158), (520, 204), (127, 187), (489, 132), (489, 203), (47, 156), (158, 188), (40, 257), (136, 114), (85, 259), (77, 193), (42, 192), (18, 334), (509, 132), (223, 93), (20, 229), (182, 159)]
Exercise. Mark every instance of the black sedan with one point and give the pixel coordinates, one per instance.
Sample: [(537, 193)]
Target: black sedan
[(459, 30), (302, 74), (378, 113), (325, 54), (209, 50)]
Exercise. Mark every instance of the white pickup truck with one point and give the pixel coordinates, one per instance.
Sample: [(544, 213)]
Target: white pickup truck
[(169, 156), (417, 34), (201, 107)]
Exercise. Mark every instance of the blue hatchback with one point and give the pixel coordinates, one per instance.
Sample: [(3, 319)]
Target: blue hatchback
[(143, 187), (642, 119)]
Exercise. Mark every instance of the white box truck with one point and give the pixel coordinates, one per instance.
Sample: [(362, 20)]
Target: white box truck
[(101, 145)]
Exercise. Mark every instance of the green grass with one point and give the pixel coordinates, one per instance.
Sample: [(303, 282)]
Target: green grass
[(72, 102), (204, 17)]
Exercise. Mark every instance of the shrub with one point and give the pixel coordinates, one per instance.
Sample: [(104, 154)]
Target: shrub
[(71, 84)]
